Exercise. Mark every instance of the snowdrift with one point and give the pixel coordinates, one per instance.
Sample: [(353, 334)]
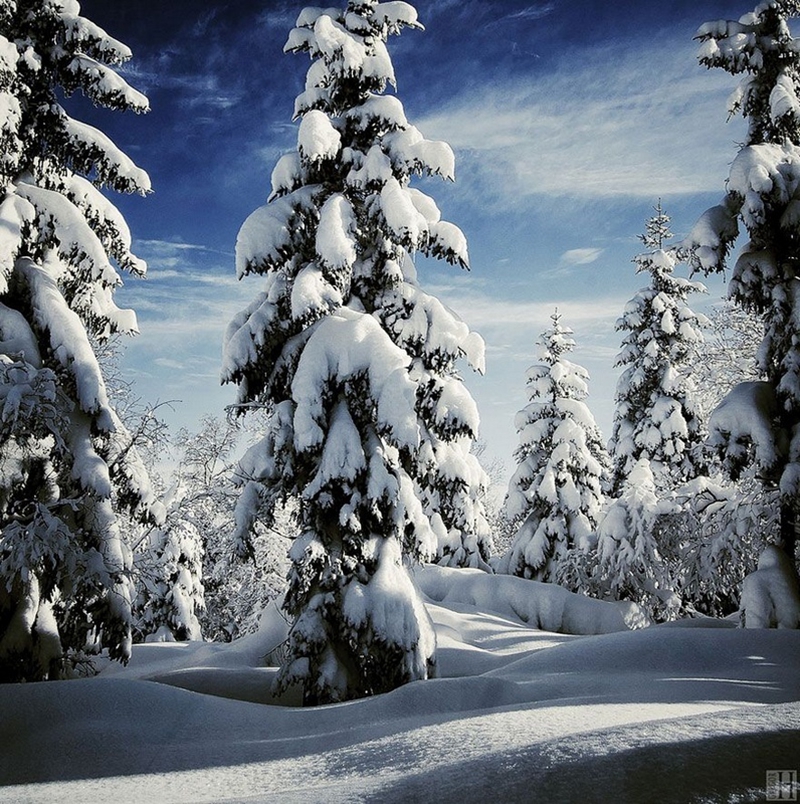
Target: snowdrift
[(540, 605), (517, 714)]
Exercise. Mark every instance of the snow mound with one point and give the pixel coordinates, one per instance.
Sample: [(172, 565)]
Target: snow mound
[(651, 714), (540, 605)]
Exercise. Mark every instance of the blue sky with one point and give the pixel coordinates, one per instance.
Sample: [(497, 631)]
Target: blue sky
[(569, 119)]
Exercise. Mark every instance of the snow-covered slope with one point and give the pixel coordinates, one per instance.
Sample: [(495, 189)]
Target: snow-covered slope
[(517, 715)]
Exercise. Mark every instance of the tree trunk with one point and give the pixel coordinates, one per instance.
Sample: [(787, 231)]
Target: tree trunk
[(789, 525)]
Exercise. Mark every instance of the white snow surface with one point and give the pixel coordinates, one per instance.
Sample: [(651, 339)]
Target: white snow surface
[(517, 714)]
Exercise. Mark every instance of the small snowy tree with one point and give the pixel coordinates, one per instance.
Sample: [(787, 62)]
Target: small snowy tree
[(771, 594), (656, 415), (554, 496), (763, 201), (370, 425), (67, 463), (635, 559), (170, 598)]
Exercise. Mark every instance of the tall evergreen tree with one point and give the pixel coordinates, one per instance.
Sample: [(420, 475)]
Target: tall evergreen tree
[(554, 496), (370, 424), (67, 464), (656, 415), (762, 200)]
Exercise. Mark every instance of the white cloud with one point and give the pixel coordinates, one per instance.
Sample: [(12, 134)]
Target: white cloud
[(569, 261), (533, 12), (580, 256), (607, 128)]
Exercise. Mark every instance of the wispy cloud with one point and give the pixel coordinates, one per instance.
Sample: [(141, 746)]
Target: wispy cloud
[(580, 256), (605, 128), (571, 261), (533, 12), (486, 313)]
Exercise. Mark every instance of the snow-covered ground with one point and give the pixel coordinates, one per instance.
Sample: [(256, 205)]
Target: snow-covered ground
[(698, 712)]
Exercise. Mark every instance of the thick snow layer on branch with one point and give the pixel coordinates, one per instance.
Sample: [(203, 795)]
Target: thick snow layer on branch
[(386, 110), (96, 207), (425, 205), (317, 139), (103, 84), (449, 242), (113, 165), (761, 172), (391, 607), (409, 148), (17, 338), (343, 346), (710, 237), (86, 33), (375, 169), (344, 50), (286, 174), (396, 13), (244, 334), (312, 294), (266, 233), (335, 241), (77, 242), (15, 213), (541, 605), (88, 468), (746, 416), (783, 99), (68, 340), (343, 457), (401, 215)]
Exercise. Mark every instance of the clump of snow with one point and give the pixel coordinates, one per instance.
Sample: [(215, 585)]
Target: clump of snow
[(745, 420), (317, 139), (335, 241), (344, 345), (391, 608), (312, 294), (771, 594), (266, 234)]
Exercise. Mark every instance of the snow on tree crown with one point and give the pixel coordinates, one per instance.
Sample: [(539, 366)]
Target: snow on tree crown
[(761, 46), (352, 142), (342, 220)]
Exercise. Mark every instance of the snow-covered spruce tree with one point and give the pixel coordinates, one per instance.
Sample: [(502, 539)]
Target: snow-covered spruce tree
[(633, 559), (169, 568), (656, 415), (68, 465), (554, 496), (370, 425), (762, 200)]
